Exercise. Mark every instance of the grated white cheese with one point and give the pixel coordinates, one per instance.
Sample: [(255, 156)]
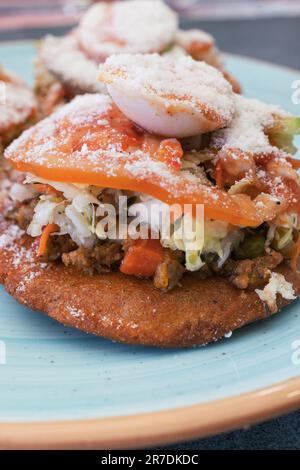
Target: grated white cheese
[(27, 279), (75, 312), (174, 53), (246, 130), (187, 38), (130, 26), (22, 258), (9, 237), (64, 59), (19, 105), (200, 45), (81, 111)]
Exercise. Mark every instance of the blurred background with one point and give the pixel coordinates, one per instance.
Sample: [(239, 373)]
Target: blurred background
[(265, 29), (33, 12)]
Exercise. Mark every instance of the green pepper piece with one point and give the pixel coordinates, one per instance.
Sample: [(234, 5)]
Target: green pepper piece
[(282, 134), (251, 247)]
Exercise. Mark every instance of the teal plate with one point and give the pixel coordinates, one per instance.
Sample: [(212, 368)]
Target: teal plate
[(60, 388)]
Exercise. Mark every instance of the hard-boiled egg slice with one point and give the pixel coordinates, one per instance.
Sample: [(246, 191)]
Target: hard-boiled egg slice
[(174, 98)]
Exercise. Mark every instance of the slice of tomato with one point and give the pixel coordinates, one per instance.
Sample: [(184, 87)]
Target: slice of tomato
[(87, 145), (294, 162)]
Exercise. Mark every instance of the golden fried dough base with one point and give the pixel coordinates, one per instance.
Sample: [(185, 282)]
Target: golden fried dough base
[(124, 308)]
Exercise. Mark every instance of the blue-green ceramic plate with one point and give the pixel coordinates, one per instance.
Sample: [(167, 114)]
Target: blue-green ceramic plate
[(63, 388)]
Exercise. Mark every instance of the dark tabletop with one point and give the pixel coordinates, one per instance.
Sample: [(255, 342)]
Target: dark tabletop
[(276, 40)]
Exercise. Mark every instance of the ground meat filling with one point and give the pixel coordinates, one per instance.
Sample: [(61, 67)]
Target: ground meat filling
[(59, 246), (102, 258), (252, 273), (107, 256), (170, 271), (22, 213)]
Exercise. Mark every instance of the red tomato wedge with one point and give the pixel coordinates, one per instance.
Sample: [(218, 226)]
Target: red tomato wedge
[(294, 162), (142, 258), (170, 152), (89, 141)]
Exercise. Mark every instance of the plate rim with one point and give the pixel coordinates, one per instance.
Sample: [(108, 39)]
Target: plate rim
[(155, 428), (160, 427)]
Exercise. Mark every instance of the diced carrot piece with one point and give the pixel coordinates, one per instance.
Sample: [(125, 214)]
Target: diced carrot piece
[(50, 228), (142, 258)]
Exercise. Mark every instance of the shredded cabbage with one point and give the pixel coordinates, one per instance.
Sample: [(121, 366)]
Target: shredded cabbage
[(44, 214), (20, 192), (73, 215), (282, 237)]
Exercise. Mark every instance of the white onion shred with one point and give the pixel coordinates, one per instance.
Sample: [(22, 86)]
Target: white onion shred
[(276, 285)]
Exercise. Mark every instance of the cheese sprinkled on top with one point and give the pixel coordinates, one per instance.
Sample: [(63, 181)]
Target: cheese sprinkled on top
[(200, 45), (130, 26), (19, 105), (191, 37), (246, 131), (64, 59)]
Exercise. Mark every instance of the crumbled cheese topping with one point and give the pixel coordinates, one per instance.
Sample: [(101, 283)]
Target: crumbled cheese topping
[(81, 111), (276, 285), (19, 105), (200, 45), (75, 312), (22, 258), (9, 237), (63, 57), (186, 39), (174, 52), (27, 280), (131, 26), (246, 131)]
